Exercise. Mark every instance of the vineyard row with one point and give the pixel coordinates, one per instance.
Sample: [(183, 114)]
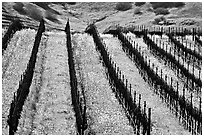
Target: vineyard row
[(137, 116), (185, 49), (176, 63), (180, 31), (23, 90), (80, 111), (182, 106)]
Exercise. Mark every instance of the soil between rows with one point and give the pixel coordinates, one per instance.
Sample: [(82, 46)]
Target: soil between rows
[(105, 115), (14, 63)]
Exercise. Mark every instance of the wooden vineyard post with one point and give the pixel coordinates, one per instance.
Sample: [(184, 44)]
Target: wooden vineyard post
[(149, 122), (183, 112), (193, 72), (130, 95), (187, 74), (161, 73), (117, 71), (191, 118), (126, 85), (166, 81), (162, 31), (177, 85), (161, 43), (84, 120), (121, 92), (171, 82), (169, 62), (145, 107), (178, 67), (193, 34), (138, 122), (120, 75), (123, 78), (190, 49), (200, 122), (171, 108), (135, 97), (199, 73), (144, 126), (156, 83)]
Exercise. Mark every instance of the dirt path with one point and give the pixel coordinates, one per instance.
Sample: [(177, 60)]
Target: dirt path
[(105, 115), (54, 114), (14, 63), (164, 122)]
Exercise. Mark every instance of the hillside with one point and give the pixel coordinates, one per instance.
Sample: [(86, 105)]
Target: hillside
[(98, 69), (103, 13)]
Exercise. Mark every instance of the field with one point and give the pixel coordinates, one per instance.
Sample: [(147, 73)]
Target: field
[(127, 81)]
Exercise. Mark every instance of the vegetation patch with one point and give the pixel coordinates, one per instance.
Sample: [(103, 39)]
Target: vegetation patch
[(52, 17), (159, 19), (137, 11), (45, 6), (156, 5), (188, 22), (161, 11), (123, 6), (19, 8), (139, 3)]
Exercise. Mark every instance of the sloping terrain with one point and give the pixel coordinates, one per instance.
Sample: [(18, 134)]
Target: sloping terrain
[(49, 108), (104, 14)]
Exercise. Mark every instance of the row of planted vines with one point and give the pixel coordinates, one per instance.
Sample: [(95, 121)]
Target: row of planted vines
[(137, 81), (180, 102), (21, 94), (20, 97), (79, 106), (138, 116)]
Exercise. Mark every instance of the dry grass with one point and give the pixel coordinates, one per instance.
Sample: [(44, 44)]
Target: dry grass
[(26, 122), (105, 115), (14, 63), (54, 112), (89, 11)]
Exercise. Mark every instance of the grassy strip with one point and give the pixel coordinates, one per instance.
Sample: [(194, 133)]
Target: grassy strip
[(137, 115), (24, 85)]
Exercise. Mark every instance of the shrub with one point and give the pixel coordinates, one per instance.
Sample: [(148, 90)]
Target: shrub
[(139, 3), (150, 9), (34, 12), (159, 19), (188, 22), (19, 8), (50, 16), (156, 5), (137, 11), (161, 11), (123, 6)]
